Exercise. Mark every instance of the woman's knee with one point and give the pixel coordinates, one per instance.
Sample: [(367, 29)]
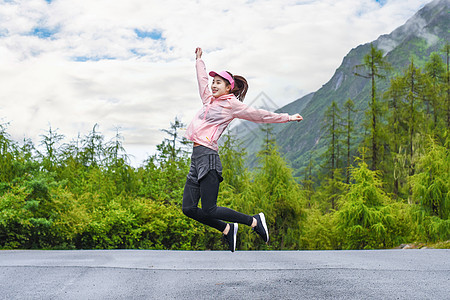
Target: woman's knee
[(188, 211), (191, 196), (210, 211)]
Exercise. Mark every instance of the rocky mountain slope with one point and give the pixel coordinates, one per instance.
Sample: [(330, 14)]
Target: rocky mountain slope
[(426, 32)]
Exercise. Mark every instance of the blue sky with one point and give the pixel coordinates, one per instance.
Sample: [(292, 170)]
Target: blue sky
[(71, 64), (154, 34), (43, 32)]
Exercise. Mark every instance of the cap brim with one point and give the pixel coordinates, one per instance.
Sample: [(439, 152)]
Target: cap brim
[(224, 75), (212, 74)]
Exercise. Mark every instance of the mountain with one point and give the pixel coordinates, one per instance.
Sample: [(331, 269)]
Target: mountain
[(426, 32)]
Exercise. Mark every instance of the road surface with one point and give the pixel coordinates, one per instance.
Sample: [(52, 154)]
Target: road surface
[(149, 274)]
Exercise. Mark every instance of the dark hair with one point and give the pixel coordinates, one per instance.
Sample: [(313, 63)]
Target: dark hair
[(240, 86)]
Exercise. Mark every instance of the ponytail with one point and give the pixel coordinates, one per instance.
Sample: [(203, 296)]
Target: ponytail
[(240, 87)]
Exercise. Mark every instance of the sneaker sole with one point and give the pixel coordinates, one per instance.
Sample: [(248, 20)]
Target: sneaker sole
[(263, 222), (235, 236)]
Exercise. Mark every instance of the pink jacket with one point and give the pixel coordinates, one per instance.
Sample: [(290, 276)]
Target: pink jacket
[(213, 118)]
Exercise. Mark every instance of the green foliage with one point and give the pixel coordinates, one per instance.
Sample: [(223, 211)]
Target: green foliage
[(432, 185), (349, 136), (235, 174), (320, 231), (38, 216), (329, 191), (14, 219), (431, 188), (367, 219), (375, 66), (332, 127), (275, 192), (84, 194), (164, 179)]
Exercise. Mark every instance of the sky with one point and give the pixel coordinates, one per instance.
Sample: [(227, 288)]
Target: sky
[(128, 65)]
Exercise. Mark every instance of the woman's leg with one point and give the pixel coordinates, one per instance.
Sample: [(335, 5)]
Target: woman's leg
[(209, 190), (191, 197)]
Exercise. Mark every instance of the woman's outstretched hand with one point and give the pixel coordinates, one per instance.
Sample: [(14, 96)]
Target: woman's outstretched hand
[(198, 52), (295, 117)]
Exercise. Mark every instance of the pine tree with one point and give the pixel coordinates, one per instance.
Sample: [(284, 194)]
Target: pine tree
[(165, 171), (333, 131), (435, 72), (116, 162), (92, 148), (269, 140), (431, 190), (50, 142), (350, 109), (6, 155), (406, 123), (275, 192), (171, 150), (332, 127), (393, 169), (412, 111), (375, 65), (115, 153), (431, 184), (308, 183), (232, 158), (447, 54), (366, 218)]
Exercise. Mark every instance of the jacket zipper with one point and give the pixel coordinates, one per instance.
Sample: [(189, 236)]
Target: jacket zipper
[(206, 111), (214, 133), (204, 117)]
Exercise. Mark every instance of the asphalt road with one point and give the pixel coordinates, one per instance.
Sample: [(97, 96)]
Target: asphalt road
[(147, 274)]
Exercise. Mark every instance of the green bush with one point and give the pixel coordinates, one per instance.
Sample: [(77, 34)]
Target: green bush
[(367, 218)]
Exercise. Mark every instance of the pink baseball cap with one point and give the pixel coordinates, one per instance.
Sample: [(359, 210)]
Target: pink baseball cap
[(223, 74)]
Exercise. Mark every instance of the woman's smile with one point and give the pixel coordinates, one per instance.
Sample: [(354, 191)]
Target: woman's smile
[(219, 87)]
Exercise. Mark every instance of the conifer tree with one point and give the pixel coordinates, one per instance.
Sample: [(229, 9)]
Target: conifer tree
[(92, 148), (431, 190), (232, 158), (431, 184), (412, 111), (169, 148), (50, 142), (269, 140), (275, 192), (333, 131), (393, 169), (308, 183), (332, 127), (375, 65), (115, 153), (406, 123), (6, 155), (435, 72), (366, 218), (447, 108), (116, 161), (165, 171), (350, 109)]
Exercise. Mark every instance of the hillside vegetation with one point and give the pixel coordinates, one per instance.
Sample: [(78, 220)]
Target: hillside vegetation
[(426, 32), (391, 188), (369, 169)]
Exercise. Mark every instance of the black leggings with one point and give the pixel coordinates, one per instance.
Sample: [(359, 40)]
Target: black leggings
[(210, 214)]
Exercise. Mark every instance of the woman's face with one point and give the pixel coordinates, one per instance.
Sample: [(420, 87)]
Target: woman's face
[(220, 87)]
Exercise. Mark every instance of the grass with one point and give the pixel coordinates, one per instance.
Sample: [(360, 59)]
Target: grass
[(440, 245)]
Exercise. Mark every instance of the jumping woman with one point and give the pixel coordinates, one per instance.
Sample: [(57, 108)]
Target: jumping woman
[(221, 105)]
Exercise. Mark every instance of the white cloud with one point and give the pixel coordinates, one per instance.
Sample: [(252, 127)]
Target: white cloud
[(285, 48)]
